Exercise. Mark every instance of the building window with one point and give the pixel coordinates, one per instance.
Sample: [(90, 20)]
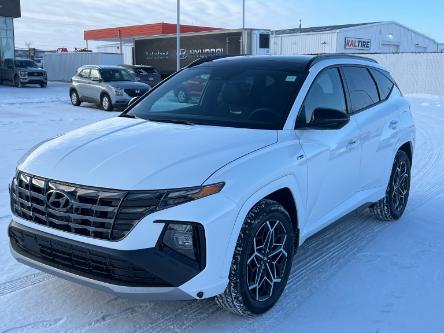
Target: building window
[(264, 41), (6, 38)]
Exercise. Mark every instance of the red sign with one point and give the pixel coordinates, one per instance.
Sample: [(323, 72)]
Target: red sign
[(358, 43)]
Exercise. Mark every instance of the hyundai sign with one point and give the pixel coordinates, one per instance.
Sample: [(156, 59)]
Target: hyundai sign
[(10, 8), (358, 43)]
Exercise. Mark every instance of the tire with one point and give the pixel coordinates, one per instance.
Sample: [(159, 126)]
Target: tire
[(17, 82), (43, 85), (392, 206), (241, 297), (106, 102), (75, 99), (182, 96)]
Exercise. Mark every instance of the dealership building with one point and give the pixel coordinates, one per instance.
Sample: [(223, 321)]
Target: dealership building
[(155, 44), (9, 9)]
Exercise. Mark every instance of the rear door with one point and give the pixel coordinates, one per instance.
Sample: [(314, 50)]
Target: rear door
[(333, 156), (81, 81), (376, 119), (94, 89)]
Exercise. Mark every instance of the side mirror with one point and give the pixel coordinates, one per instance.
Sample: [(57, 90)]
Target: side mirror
[(328, 119), (132, 101)]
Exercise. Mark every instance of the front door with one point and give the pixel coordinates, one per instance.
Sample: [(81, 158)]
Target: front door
[(333, 156)]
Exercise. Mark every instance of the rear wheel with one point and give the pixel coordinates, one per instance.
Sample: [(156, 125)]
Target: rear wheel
[(261, 262), (43, 85), (75, 99), (107, 105), (392, 206)]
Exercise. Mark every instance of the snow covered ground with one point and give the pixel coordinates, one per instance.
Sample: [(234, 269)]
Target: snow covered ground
[(358, 275)]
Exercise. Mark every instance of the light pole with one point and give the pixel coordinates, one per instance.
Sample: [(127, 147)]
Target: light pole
[(178, 37), (243, 14)]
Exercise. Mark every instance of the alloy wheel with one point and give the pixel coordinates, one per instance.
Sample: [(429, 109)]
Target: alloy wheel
[(267, 260), (400, 186)]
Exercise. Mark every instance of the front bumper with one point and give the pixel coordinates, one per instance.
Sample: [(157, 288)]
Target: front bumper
[(34, 80), (147, 273)]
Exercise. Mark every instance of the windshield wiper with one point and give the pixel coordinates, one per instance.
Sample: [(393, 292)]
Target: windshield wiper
[(173, 121), (127, 115)]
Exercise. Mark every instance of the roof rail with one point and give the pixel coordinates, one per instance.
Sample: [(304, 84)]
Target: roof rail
[(321, 57), (204, 60)]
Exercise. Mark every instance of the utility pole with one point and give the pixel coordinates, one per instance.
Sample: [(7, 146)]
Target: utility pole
[(243, 28), (243, 14), (178, 37)]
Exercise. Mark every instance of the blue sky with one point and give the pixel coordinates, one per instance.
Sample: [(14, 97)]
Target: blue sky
[(52, 24)]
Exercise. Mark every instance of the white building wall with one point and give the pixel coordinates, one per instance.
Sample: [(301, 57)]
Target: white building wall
[(115, 48), (415, 73), (386, 37), (309, 43)]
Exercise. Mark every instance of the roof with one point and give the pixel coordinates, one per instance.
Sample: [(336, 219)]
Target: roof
[(293, 63), (324, 28), (130, 32)]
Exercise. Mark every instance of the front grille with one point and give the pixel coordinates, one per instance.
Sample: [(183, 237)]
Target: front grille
[(135, 92), (81, 261), (91, 212), (35, 74)]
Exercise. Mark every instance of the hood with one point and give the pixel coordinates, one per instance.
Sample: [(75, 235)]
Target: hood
[(124, 153), (31, 69), (128, 85)]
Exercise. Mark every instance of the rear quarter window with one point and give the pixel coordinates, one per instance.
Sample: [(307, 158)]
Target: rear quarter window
[(361, 86), (385, 85)]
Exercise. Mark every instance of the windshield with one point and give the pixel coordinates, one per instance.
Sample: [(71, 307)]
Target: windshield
[(223, 96), (25, 64), (116, 74)]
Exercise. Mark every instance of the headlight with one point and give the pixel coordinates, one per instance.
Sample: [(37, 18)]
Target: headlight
[(23, 74), (138, 204), (118, 91)]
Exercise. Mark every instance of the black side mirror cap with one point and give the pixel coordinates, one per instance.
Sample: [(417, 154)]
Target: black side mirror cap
[(328, 119)]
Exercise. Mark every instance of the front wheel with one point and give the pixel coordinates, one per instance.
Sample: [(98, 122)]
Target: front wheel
[(17, 82), (261, 262), (392, 206), (107, 104)]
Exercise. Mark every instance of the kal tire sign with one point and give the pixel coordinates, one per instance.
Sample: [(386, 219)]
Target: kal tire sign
[(358, 43)]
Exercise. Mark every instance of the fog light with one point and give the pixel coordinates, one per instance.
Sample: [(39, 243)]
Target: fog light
[(184, 239)]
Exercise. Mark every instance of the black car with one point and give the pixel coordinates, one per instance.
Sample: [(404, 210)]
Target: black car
[(20, 72), (145, 74)]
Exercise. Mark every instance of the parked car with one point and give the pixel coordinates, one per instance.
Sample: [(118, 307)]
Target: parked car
[(212, 198), (190, 90), (21, 72), (145, 74), (108, 86)]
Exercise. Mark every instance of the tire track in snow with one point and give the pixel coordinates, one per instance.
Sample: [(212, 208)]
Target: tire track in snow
[(23, 282)]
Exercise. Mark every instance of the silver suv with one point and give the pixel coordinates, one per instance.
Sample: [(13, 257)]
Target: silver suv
[(109, 86)]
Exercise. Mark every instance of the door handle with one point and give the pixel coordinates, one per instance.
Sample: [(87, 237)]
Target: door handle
[(394, 124), (352, 143)]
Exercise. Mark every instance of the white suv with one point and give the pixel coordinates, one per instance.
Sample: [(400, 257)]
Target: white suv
[(212, 196)]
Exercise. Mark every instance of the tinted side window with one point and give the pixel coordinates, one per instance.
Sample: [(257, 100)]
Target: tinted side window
[(362, 88), (385, 85), (325, 92)]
